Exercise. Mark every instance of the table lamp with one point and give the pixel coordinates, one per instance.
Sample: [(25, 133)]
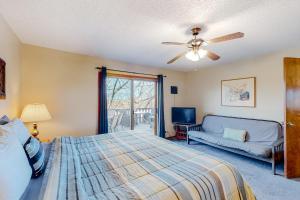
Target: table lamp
[(35, 112)]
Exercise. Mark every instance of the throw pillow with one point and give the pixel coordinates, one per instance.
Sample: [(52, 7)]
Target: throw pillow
[(235, 134), (36, 156)]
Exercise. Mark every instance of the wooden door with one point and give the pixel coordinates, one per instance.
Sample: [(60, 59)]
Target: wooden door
[(292, 117)]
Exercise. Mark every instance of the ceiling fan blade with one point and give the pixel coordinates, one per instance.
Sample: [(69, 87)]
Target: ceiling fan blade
[(174, 43), (226, 37), (176, 58), (212, 55)]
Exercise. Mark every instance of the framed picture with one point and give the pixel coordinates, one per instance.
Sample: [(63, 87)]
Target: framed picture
[(2, 79), (238, 92)]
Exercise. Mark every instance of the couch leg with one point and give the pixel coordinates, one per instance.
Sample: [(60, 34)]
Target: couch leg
[(187, 139), (273, 166)]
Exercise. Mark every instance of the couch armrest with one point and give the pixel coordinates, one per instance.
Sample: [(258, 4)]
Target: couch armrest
[(278, 143), (197, 127), (277, 147), (277, 153)]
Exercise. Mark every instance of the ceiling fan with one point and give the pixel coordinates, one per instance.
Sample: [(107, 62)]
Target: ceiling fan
[(195, 46)]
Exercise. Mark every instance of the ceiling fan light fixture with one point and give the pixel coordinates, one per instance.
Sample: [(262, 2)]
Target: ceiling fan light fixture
[(204, 44), (202, 53), (192, 55), (196, 55)]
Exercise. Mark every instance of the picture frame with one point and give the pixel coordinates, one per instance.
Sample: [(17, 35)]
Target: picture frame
[(240, 92), (2, 79)]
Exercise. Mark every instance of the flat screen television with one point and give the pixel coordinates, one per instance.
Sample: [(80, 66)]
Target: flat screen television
[(184, 115)]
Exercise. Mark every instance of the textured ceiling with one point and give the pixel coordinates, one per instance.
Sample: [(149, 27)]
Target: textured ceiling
[(131, 31)]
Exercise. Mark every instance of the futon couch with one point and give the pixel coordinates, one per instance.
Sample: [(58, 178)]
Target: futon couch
[(264, 138)]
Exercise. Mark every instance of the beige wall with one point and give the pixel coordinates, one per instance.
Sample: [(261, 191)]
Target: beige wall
[(67, 84), (9, 52), (205, 87)]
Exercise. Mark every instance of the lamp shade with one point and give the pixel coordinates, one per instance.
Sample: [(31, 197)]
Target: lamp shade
[(35, 112)]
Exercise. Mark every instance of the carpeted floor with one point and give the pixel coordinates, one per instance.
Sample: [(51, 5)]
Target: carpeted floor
[(258, 174)]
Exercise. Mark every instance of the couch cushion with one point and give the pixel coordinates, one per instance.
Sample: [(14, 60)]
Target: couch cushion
[(210, 137), (249, 147), (263, 132)]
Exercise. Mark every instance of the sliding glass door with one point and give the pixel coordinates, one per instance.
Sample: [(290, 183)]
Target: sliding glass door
[(118, 104), (131, 104), (144, 105)]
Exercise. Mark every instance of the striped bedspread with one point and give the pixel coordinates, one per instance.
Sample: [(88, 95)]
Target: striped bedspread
[(133, 165)]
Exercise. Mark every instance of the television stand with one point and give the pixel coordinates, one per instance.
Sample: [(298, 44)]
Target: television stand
[(181, 130)]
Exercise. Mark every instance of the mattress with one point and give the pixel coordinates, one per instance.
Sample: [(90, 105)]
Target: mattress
[(135, 165)]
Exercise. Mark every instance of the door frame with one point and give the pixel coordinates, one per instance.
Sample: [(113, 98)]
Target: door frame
[(132, 78)]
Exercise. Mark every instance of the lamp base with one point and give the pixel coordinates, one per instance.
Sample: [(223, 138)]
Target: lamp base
[(35, 132)]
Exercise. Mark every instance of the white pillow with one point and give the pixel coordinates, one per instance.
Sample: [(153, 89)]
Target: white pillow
[(17, 128), (15, 171), (235, 134)]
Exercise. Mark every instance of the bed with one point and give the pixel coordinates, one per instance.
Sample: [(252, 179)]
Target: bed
[(134, 165)]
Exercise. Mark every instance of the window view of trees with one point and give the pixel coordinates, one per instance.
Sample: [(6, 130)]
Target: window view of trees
[(144, 104), (120, 99), (118, 104)]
